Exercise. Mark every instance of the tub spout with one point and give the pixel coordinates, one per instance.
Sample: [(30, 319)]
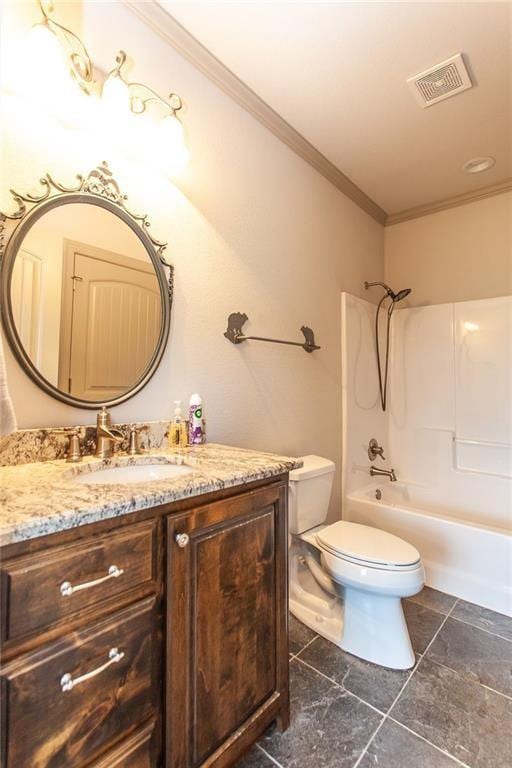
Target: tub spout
[(376, 472)]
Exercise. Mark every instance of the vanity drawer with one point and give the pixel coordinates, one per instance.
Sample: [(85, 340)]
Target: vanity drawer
[(43, 589), (72, 698), (137, 751)]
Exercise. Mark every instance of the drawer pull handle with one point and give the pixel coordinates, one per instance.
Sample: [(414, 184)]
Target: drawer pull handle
[(67, 683), (182, 539), (67, 589)]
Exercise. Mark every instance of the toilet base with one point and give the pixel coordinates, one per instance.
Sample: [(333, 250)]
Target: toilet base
[(377, 634), (375, 629)]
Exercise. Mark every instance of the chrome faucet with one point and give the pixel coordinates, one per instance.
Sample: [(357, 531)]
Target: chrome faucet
[(106, 435), (376, 472)]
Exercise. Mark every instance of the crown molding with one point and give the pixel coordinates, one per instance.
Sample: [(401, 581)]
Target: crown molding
[(450, 202), (170, 30)]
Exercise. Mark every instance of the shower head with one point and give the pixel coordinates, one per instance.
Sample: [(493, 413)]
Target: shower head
[(392, 295), (401, 294)]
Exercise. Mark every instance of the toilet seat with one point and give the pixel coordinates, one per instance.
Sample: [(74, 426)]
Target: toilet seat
[(368, 547), (369, 565)]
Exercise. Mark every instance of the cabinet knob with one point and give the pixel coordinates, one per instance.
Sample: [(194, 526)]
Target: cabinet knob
[(182, 539)]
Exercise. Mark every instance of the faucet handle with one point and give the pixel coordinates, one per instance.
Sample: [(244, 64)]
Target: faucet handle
[(73, 454), (374, 450), (74, 434), (134, 445)]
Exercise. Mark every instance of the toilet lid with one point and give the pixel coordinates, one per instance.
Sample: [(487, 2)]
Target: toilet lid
[(369, 545)]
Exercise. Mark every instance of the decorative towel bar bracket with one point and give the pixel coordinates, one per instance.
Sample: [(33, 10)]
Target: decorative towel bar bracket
[(235, 334)]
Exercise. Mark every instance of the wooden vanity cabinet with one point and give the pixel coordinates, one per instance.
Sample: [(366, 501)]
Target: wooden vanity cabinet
[(197, 616)]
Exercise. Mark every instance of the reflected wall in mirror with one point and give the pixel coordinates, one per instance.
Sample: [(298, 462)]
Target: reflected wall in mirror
[(85, 300)]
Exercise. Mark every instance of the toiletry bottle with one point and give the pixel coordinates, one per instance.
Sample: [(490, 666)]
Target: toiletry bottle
[(195, 424), (176, 426)]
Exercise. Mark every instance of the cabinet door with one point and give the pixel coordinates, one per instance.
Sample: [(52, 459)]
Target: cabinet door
[(227, 666)]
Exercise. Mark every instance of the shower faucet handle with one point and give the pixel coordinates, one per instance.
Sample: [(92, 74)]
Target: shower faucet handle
[(374, 450)]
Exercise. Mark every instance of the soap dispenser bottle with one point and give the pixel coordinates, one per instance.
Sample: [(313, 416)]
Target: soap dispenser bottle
[(176, 427)]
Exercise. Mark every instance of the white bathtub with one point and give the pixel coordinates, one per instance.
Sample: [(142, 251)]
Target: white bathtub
[(465, 559)]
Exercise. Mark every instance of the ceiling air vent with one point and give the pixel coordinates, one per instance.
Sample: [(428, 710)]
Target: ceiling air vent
[(440, 82)]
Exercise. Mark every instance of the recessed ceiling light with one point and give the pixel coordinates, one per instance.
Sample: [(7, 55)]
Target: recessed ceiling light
[(478, 164)]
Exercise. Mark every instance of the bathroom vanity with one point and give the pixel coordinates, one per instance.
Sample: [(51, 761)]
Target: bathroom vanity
[(143, 624), (144, 607)]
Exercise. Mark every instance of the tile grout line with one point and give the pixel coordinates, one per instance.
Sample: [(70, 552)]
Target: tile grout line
[(267, 754), (305, 646), (338, 685), (430, 608), (482, 629), (363, 753), (470, 680), (374, 734), (439, 664), (419, 736), (493, 690), (463, 621), (406, 683), (448, 615)]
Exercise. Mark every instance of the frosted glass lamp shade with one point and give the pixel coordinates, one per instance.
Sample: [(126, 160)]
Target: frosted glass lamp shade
[(171, 144), (115, 96)]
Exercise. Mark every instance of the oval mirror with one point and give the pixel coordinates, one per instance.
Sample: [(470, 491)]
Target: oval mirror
[(85, 300)]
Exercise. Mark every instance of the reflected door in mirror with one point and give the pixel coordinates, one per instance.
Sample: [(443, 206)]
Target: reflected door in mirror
[(26, 302), (113, 313)]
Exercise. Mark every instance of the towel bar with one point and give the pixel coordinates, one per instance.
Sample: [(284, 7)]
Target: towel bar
[(235, 334)]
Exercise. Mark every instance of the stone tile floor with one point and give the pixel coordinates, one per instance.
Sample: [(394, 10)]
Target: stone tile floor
[(453, 709)]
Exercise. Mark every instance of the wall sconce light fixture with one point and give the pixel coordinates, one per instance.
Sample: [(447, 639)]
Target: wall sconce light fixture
[(124, 101), (119, 95), (51, 31)]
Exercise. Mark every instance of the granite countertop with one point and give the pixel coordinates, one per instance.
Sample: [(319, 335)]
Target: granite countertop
[(42, 498)]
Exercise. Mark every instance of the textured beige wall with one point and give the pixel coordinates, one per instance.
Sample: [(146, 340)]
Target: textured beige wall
[(251, 228), (455, 255)]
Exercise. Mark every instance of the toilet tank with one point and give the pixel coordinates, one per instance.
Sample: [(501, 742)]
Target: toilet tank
[(310, 492)]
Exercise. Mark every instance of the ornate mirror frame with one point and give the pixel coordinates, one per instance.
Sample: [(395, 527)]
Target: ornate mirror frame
[(98, 188)]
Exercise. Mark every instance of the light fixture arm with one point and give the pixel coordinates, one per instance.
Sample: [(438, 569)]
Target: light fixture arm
[(174, 103), (117, 70), (140, 94), (80, 61)]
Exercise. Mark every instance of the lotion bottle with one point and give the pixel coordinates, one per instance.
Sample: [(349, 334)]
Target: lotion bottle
[(176, 427)]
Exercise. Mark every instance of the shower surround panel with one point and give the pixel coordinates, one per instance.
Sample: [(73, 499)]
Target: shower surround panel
[(450, 420), (448, 435)]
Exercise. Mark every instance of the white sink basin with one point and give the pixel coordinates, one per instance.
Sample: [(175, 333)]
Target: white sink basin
[(134, 473)]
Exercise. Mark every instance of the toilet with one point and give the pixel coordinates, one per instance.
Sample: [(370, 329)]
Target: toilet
[(347, 579)]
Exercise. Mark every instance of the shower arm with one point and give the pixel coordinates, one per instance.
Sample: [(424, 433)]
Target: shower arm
[(382, 285)]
